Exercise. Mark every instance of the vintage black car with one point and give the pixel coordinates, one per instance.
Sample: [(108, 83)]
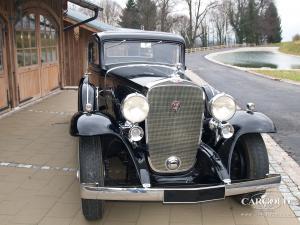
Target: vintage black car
[(148, 133)]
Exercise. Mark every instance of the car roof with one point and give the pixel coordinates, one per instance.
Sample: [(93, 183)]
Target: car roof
[(121, 34)]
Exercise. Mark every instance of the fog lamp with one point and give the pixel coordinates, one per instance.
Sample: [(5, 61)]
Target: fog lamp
[(136, 133), (226, 130)]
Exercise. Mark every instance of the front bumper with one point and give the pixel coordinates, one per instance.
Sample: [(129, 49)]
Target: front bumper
[(179, 195)]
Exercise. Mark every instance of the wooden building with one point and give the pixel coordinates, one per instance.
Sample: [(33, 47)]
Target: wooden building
[(36, 55), (75, 45)]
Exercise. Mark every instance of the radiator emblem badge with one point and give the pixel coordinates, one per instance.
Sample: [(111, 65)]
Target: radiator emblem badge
[(175, 105), (173, 163)]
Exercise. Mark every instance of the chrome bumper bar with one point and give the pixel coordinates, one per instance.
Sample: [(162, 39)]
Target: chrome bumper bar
[(90, 191)]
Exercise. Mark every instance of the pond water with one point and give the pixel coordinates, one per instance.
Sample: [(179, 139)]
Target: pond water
[(259, 59)]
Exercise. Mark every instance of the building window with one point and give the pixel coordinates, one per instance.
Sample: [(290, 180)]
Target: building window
[(48, 40), (26, 43)]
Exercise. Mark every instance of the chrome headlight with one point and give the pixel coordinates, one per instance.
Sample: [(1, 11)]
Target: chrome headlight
[(222, 107), (135, 108)]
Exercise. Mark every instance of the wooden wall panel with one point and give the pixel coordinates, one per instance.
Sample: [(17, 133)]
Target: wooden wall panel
[(29, 84), (3, 93), (75, 55), (53, 80), (4, 86), (49, 78), (4, 8)]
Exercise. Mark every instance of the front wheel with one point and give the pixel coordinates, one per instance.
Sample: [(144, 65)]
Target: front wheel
[(249, 161), (91, 171)]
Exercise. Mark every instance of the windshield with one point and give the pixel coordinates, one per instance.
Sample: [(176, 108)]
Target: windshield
[(159, 52)]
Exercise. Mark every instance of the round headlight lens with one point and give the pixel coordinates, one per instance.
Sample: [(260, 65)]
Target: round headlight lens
[(222, 107), (135, 108)]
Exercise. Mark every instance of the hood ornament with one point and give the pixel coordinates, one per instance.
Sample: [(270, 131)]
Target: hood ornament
[(176, 78), (175, 105), (176, 75)]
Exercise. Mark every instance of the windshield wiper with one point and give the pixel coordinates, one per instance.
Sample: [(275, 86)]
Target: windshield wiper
[(119, 43), (156, 43)]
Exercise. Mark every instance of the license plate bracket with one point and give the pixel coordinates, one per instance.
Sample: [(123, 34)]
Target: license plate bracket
[(194, 195)]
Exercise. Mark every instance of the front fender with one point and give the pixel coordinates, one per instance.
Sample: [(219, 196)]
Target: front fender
[(252, 122), (98, 124), (86, 94), (244, 123), (85, 124)]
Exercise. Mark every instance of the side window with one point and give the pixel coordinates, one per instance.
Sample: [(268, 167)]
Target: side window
[(26, 41), (93, 53), (49, 40)]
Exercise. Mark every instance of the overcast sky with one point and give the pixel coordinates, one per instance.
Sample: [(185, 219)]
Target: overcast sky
[(289, 11)]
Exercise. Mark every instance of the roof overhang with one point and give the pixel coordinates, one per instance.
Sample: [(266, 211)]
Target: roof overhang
[(85, 4), (88, 5), (84, 26)]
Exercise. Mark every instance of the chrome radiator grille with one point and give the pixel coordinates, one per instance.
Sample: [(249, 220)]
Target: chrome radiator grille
[(172, 132)]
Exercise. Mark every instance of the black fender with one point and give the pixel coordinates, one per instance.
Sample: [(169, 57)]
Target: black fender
[(92, 124), (210, 92), (98, 124), (244, 123), (84, 84)]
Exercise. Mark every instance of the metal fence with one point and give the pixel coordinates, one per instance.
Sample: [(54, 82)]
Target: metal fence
[(201, 49)]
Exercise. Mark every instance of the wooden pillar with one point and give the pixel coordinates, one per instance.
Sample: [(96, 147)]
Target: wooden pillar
[(64, 6), (12, 76)]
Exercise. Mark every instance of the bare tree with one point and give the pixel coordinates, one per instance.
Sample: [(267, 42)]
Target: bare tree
[(111, 12), (204, 34), (164, 18), (197, 10), (219, 20), (180, 24)]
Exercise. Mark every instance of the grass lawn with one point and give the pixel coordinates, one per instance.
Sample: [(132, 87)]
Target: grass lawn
[(281, 74), (290, 47)]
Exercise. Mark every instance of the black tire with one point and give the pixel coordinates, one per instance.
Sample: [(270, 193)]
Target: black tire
[(250, 161), (91, 171)]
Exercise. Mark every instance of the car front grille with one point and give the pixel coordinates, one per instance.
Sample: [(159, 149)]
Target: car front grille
[(170, 132)]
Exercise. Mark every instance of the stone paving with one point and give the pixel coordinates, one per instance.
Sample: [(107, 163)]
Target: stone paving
[(38, 184), (281, 162)]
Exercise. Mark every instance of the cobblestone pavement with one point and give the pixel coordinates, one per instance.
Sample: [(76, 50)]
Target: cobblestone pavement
[(38, 182)]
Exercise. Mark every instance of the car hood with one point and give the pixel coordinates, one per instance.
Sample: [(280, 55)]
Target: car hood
[(143, 74)]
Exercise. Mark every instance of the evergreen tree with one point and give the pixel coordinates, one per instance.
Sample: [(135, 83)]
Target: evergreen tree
[(251, 26), (272, 24), (147, 14), (130, 16), (237, 12)]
